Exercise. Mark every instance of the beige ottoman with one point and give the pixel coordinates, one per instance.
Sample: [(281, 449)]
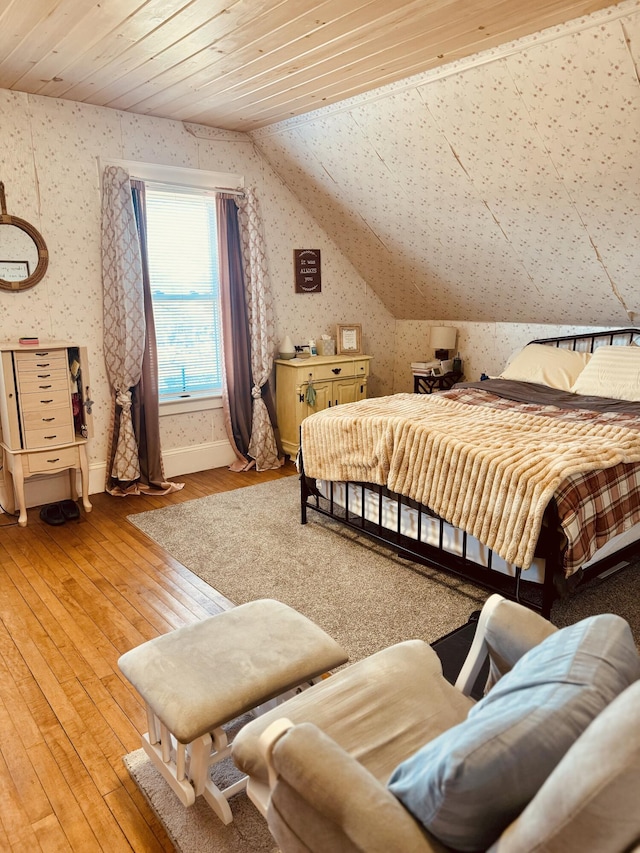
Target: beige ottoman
[(199, 677)]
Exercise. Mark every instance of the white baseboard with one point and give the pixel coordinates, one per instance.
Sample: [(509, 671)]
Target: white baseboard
[(41, 490), (188, 460)]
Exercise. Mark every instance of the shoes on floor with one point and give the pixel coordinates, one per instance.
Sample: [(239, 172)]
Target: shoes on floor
[(60, 512), (52, 514), (69, 509)]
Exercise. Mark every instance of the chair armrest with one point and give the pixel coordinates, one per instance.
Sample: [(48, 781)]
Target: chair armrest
[(479, 650), (506, 631), (266, 742), (324, 800)]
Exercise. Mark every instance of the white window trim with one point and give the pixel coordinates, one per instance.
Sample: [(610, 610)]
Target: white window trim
[(181, 406), (200, 179)]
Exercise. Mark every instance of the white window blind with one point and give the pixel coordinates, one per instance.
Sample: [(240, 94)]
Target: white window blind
[(183, 269)]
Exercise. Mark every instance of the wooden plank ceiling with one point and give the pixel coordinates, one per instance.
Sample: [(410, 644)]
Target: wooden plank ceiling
[(244, 64)]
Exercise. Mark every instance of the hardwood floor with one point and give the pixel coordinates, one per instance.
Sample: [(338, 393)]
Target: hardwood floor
[(73, 599)]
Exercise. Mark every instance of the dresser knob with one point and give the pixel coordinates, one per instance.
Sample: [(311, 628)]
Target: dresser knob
[(336, 370)]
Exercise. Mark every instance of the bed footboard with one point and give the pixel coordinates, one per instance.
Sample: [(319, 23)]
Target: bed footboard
[(539, 597)]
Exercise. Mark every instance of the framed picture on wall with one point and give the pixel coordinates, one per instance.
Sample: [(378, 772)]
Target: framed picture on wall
[(349, 339), (306, 264)]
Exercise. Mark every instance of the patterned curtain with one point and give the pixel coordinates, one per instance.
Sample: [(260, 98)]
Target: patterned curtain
[(123, 309), (134, 463), (262, 447)]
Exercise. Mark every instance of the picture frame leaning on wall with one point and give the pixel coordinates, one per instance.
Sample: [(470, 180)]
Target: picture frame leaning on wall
[(349, 339)]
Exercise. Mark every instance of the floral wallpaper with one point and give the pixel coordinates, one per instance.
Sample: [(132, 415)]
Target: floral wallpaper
[(52, 179), (483, 347), (500, 194), (504, 187)]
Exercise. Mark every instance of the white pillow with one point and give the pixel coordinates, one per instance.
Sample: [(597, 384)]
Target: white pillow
[(547, 365), (612, 372)]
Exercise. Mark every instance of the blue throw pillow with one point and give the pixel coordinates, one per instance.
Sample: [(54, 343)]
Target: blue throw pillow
[(468, 784)]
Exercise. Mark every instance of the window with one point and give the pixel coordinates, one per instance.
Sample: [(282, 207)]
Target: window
[(183, 270)]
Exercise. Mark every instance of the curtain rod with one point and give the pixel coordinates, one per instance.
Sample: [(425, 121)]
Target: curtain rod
[(192, 187)]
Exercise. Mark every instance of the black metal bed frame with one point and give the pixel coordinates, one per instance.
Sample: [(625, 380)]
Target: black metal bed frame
[(551, 542)]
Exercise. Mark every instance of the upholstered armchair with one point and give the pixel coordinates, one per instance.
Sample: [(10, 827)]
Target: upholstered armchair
[(385, 756)]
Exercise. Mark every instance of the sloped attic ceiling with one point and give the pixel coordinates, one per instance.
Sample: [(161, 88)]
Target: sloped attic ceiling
[(244, 64), (506, 188)]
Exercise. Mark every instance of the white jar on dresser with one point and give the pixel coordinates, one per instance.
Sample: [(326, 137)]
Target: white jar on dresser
[(45, 415), (333, 380)]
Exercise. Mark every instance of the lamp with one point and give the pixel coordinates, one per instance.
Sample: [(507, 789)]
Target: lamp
[(442, 339)]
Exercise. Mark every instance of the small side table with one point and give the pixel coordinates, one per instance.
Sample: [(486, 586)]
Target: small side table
[(423, 384)]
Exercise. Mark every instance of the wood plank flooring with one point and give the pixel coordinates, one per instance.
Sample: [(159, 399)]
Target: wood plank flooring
[(73, 599)]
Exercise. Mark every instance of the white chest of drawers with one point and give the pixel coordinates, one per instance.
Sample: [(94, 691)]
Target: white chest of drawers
[(45, 416)]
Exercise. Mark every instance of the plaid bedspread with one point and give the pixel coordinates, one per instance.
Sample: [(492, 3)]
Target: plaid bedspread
[(592, 506)]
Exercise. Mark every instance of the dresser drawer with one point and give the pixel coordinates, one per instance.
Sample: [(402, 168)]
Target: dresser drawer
[(35, 438), (45, 399), (50, 461), (34, 362), (43, 418), (337, 369), (46, 381)]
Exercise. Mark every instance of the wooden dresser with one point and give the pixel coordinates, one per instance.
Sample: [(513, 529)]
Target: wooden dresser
[(45, 415), (335, 379)]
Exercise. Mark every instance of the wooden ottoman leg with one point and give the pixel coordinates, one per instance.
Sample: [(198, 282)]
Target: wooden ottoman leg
[(217, 799), (199, 755), (186, 766), (215, 796), (182, 787)]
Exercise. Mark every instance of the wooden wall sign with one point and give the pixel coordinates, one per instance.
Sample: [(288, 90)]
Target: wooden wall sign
[(306, 263)]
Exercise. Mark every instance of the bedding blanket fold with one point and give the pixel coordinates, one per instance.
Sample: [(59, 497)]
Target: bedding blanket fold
[(485, 470)]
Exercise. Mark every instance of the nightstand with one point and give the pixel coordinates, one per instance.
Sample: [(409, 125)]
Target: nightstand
[(335, 379), (428, 384)]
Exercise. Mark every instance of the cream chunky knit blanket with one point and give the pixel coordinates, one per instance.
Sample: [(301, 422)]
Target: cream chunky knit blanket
[(488, 471)]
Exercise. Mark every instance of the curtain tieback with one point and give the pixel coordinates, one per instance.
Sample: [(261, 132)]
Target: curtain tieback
[(256, 392), (123, 399)]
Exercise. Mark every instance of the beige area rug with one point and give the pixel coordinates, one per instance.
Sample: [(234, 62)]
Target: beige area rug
[(249, 544)]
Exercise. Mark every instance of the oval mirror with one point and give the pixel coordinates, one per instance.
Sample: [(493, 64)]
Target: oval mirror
[(23, 253)]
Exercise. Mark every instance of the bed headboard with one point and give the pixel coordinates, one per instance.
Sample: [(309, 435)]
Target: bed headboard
[(591, 341)]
